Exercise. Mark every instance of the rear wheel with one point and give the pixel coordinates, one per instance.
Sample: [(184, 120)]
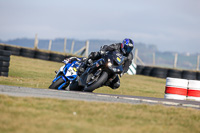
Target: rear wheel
[(75, 87), (57, 84), (92, 85)]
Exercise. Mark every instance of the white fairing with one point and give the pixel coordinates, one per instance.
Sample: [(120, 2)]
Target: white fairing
[(61, 69), (70, 72)]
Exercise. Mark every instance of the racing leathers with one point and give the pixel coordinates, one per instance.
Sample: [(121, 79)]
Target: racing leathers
[(114, 83)]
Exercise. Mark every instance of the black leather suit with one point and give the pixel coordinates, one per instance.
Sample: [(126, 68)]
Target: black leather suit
[(115, 82)]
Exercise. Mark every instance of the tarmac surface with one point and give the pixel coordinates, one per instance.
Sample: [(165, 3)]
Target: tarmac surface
[(97, 97)]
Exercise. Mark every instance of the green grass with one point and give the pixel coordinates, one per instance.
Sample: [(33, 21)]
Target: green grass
[(30, 72), (37, 73), (32, 115), (45, 115), (139, 86)]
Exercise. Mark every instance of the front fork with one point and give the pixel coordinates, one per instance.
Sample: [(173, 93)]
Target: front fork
[(62, 85), (95, 66)]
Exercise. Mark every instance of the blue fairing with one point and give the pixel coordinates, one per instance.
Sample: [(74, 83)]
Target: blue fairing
[(66, 68), (72, 77), (62, 73), (56, 78), (61, 86)]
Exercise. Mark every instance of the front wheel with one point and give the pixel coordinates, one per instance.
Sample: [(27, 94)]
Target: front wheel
[(101, 80), (58, 84)]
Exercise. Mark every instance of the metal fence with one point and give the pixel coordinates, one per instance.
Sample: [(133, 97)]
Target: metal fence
[(168, 59)]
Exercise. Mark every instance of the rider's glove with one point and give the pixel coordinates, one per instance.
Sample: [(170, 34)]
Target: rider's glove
[(93, 55), (71, 59), (102, 52), (66, 61), (89, 62), (83, 59)]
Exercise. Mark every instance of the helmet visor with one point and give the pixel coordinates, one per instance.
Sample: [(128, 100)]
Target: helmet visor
[(128, 49)]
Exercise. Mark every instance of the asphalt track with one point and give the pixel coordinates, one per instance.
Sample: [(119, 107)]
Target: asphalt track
[(98, 97)]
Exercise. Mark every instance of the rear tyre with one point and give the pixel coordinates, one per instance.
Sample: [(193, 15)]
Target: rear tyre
[(14, 50), (27, 53), (102, 79), (4, 64), (189, 75), (41, 55), (198, 75), (5, 53), (2, 47), (139, 69), (159, 72), (174, 73), (56, 57), (56, 84), (5, 74), (75, 87), (147, 70), (4, 58)]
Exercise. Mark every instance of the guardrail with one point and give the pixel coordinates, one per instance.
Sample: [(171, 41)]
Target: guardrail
[(167, 72), (58, 57), (34, 53), (4, 62)]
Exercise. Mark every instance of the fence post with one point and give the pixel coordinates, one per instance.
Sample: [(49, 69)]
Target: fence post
[(36, 42), (86, 48), (198, 57), (175, 60), (135, 56), (65, 44), (154, 59), (50, 43), (72, 47)]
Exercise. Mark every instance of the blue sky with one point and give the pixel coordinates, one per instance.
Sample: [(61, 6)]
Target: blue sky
[(172, 25)]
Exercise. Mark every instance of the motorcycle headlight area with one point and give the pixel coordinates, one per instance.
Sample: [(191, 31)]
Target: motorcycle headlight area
[(109, 64)]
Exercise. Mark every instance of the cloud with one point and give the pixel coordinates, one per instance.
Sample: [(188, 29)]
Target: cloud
[(168, 24)]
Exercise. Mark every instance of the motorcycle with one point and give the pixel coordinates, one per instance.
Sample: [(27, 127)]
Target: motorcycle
[(66, 74), (101, 71)]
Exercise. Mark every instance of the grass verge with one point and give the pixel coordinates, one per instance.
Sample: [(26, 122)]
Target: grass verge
[(37, 73), (22, 115)]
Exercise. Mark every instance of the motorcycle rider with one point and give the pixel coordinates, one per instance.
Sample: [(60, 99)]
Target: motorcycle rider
[(124, 48)]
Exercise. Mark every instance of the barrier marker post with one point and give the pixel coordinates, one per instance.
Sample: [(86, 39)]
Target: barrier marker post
[(154, 59), (50, 43), (36, 42), (135, 56), (175, 60), (72, 47), (198, 57), (65, 44), (86, 48)]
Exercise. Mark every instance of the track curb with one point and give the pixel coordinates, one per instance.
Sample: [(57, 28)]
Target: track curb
[(97, 97)]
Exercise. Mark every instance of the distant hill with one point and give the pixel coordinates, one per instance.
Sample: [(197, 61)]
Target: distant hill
[(58, 44), (145, 52)]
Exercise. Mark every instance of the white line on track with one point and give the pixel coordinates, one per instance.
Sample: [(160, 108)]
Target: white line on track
[(47, 93)]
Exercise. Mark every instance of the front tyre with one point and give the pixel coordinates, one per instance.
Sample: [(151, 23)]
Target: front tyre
[(101, 80), (57, 84)]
